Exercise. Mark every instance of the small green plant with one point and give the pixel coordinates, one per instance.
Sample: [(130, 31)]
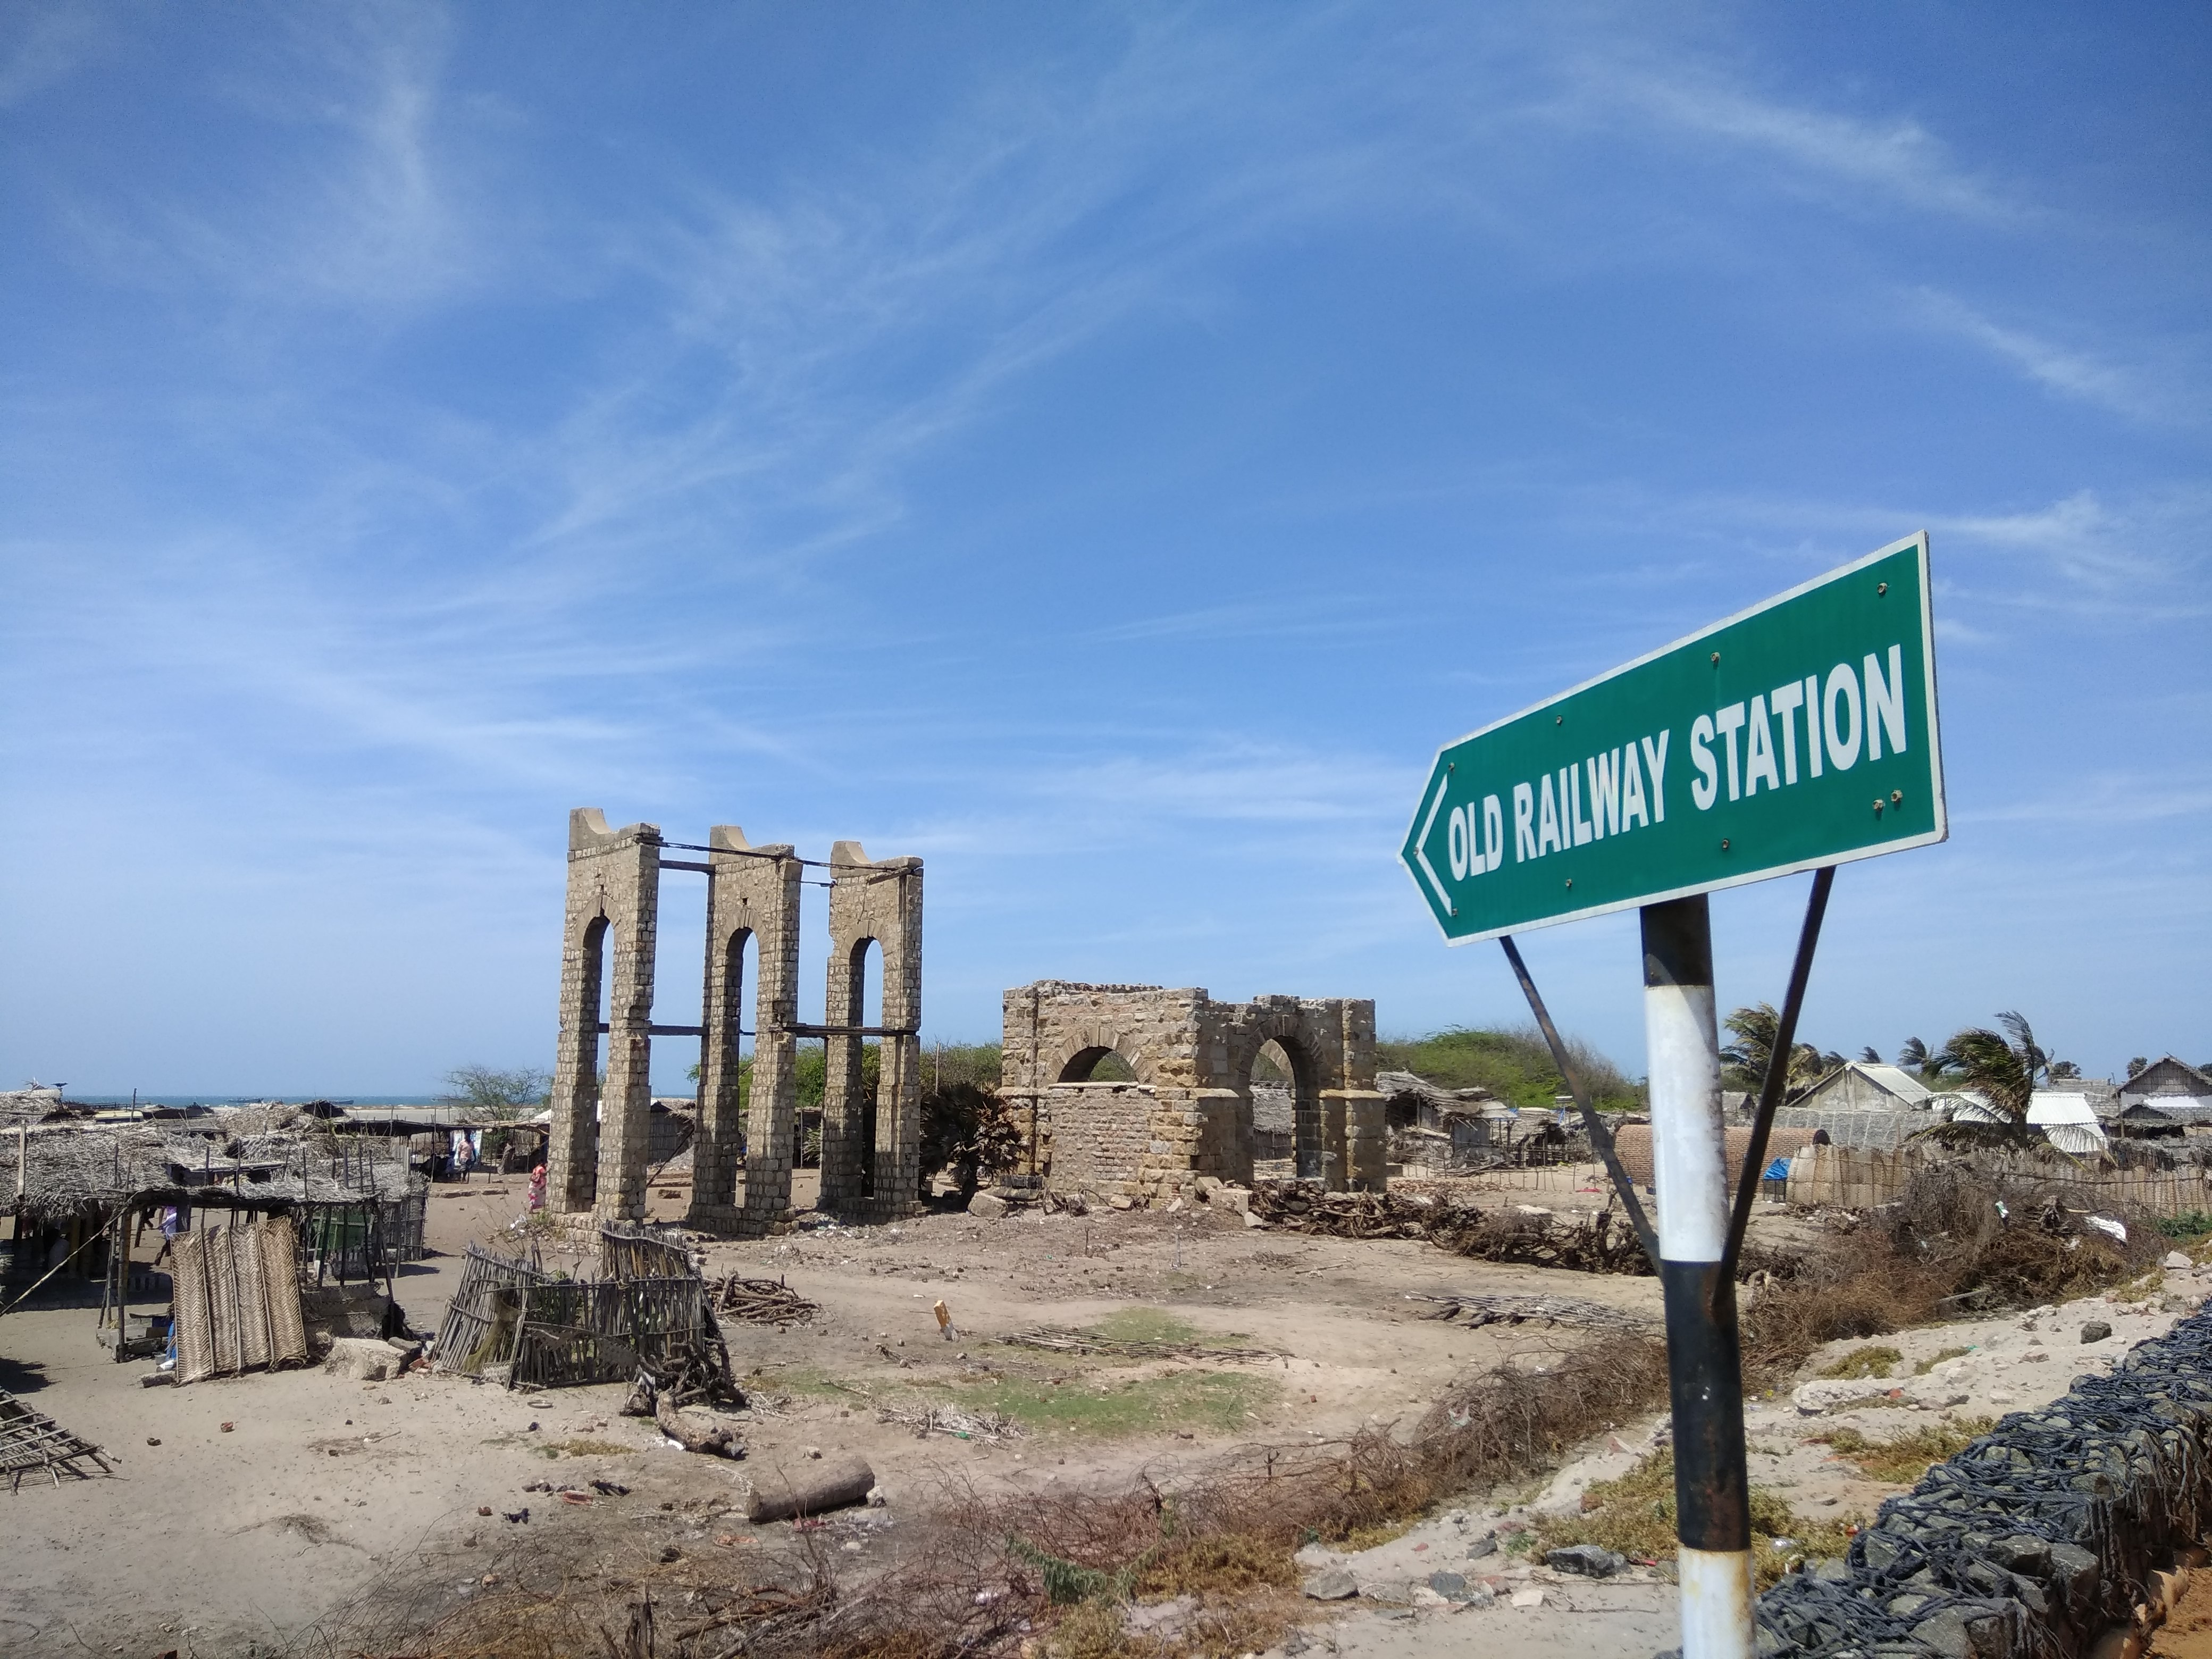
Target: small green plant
[(1902, 1459), (1635, 1514), (2189, 1225), (1935, 1359), (1874, 1360)]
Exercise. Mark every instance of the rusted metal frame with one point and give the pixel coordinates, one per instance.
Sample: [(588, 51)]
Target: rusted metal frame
[(1777, 1067), (1600, 1137)]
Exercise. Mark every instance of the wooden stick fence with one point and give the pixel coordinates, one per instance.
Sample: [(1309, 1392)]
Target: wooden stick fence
[(1856, 1178)]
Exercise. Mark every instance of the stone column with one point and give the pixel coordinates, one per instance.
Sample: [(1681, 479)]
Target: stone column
[(772, 1119), (613, 900), (1333, 1151), (626, 1102), (843, 1179), (877, 901), (752, 893), (1365, 1156), (898, 1094)]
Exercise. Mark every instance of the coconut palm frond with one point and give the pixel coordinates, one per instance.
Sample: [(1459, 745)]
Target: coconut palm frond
[(1988, 1063), (2023, 1040), (1753, 1029)]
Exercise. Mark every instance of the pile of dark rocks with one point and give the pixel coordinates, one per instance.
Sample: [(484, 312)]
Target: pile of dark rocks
[(2035, 1539)]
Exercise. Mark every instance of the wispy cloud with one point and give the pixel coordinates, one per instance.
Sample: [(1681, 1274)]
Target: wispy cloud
[(1890, 160), (2071, 373), (2155, 549), (41, 45), (1279, 617), (356, 199)]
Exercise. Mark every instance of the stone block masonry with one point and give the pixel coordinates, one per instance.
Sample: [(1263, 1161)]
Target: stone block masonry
[(1189, 1113), (741, 1180)]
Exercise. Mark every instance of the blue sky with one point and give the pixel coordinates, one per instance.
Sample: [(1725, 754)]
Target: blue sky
[(1102, 450)]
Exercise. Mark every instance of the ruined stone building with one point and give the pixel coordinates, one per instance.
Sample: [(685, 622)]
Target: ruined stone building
[(1187, 1109), (741, 1175)]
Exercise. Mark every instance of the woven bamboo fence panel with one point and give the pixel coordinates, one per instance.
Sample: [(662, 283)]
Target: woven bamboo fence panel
[(195, 1336), (1864, 1178), (253, 1298), (236, 1300), (280, 1255)]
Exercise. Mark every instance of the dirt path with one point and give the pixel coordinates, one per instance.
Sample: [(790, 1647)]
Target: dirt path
[(327, 1498), (254, 1541)]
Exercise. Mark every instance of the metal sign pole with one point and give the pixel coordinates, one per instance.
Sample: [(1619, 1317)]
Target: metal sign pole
[(1689, 1154)]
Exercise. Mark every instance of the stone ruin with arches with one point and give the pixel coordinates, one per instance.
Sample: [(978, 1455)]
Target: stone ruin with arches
[(741, 1172), (1186, 1111)]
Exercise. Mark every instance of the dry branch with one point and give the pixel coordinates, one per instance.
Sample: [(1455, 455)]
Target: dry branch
[(761, 1301)]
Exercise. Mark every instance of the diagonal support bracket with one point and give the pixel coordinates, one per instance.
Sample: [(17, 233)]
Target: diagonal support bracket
[(1600, 1137), (1777, 1071)]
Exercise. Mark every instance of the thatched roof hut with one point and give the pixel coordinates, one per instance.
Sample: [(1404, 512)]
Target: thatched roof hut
[(71, 1171)]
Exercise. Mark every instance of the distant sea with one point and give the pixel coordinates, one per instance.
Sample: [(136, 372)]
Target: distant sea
[(240, 1100)]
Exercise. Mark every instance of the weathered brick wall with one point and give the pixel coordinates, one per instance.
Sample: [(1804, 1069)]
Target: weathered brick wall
[(1096, 1135)]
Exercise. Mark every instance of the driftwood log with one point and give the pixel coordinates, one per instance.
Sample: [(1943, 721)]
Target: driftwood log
[(811, 1488), (693, 1436)]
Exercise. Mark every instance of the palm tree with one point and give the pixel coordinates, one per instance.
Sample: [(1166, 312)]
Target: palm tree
[(1913, 1056), (1869, 1056), (2002, 1066), (1754, 1029)]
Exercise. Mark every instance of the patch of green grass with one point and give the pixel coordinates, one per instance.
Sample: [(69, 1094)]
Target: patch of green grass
[(1935, 1359), (2189, 1225), (1874, 1360), (1100, 1404), (1902, 1459), (1635, 1514), (1141, 1327), (1142, 1324)]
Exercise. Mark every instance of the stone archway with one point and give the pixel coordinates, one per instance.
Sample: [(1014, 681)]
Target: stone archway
[(1080, 1063), (1309, 1139), (1188, 1113)]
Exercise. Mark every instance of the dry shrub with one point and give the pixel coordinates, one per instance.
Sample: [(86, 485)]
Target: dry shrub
[(2027, 1252)]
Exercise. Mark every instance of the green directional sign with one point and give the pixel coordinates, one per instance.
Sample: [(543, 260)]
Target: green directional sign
[(1798, 733)]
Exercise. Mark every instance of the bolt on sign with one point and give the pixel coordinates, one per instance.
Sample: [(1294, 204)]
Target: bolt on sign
[(1798, 733)]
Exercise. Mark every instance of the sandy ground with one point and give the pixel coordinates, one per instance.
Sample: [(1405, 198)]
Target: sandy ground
[(325, 1495)]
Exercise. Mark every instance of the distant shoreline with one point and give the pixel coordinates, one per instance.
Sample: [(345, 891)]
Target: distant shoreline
[(243, 1100)]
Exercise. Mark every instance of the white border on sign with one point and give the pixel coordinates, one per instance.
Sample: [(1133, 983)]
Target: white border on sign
[(1941, 831)]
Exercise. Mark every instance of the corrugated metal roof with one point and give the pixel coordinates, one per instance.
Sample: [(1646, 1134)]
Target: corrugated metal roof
[(1895, 1078), (2049, 1106)]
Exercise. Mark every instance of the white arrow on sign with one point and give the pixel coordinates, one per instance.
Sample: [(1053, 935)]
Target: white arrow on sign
[(1421, 847)]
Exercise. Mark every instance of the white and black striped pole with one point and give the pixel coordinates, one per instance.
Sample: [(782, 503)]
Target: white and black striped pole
[(1689, 1155)]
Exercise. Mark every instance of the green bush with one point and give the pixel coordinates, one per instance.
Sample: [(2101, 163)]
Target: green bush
[(1514, 1064)]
